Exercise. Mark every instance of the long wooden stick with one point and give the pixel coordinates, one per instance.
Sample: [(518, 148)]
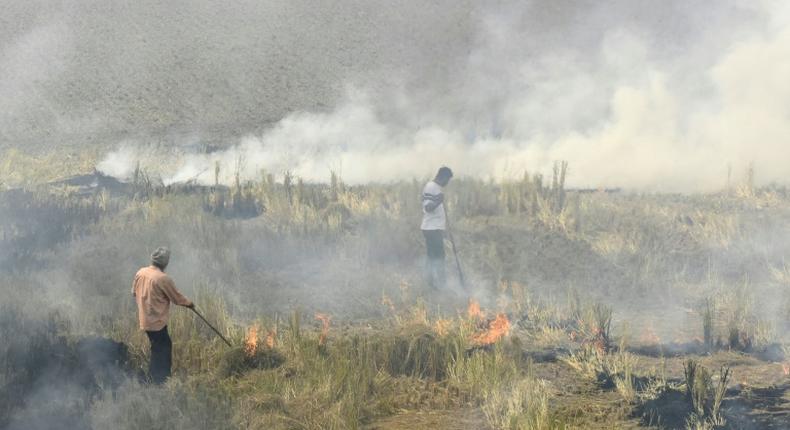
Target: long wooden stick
[(211, 326), (455, 251)]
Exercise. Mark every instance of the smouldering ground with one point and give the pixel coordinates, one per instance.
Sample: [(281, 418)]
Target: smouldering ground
[(608, 299)]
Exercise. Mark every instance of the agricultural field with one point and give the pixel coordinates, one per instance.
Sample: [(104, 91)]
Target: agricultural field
[(617, 244), (581, 309)]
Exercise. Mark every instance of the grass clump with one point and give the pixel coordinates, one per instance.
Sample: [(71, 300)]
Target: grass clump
[(607, 370), (236, 361), (421, 354), (521, 405), (705, 397), (593, 325)]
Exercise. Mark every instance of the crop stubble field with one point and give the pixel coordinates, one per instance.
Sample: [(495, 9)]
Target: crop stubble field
[(583, 309)]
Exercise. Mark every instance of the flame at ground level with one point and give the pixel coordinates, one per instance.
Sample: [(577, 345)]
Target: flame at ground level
[(650, 337), (442, 326), (325, 319), (271, 338), (473, 310), (251, 340), (497, 328)]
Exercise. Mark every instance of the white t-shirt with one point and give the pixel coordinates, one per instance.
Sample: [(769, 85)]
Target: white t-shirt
[(434, 220)]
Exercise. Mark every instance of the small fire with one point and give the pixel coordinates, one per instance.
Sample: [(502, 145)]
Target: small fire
[(386, 301), (650, 337), (271, 338), (599, 344), (325, 319), (473, 310), (251, 340), (496, 329), (786, 369), (442, 327)]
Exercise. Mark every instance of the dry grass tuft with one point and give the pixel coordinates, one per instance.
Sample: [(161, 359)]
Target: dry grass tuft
[(236, 361), (704, 396)]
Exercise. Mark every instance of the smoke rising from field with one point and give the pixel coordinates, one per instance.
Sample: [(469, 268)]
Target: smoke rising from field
[(637, 94), (630, 93)]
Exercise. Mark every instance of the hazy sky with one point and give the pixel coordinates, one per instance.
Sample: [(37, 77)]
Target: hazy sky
[(643, 94)]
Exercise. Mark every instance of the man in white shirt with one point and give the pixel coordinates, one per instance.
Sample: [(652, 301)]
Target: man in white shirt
[(434, 223)]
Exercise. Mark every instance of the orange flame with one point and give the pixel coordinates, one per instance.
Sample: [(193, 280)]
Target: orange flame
[(600, 345), (497, 328), (325, 319), (473, 310), (442, 327), (386, 301), (786, 369), (271, 338), (251, 340), (650, 337)]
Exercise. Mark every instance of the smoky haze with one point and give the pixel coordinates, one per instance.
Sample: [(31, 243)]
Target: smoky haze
[(644, 95)]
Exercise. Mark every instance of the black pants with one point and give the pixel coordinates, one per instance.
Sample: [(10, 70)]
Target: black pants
[(434, 242), (161, 355)]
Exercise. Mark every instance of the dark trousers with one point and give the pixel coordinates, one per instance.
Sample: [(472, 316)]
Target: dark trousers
[(434, 243), (161, 355)]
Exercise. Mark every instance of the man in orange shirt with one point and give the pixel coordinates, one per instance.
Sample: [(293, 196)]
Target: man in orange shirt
[(154, 290)]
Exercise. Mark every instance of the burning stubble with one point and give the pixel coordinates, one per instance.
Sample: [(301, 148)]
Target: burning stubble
[(231, 168)]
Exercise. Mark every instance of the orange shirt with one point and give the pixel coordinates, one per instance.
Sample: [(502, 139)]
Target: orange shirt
[(154, 290)]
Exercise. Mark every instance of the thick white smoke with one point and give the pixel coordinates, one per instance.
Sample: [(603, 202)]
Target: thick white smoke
[(622, 116), (27, 64)]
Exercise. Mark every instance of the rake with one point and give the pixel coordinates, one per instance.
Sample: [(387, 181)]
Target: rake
[(455, 250), (211, 326)]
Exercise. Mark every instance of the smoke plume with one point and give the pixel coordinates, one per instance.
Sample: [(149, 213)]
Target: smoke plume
[(632, 94)]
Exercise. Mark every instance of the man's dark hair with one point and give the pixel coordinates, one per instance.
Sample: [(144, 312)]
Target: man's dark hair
[(444, 172)]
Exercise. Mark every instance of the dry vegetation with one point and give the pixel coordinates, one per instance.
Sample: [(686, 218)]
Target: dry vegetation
[(586, 310)]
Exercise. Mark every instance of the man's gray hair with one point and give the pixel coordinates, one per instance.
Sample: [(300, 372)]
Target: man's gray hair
[(160, 257)]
